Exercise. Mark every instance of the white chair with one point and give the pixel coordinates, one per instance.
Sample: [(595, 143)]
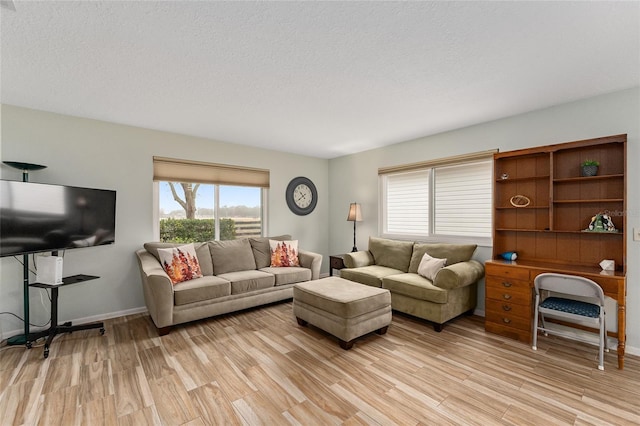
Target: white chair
[(564, 305)]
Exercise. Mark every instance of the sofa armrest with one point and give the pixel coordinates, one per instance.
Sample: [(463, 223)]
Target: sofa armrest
[(459, 274), (157, 289), (358, 259), (312, 261)]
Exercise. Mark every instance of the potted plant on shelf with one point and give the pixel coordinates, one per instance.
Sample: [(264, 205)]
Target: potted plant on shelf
[(589, 168)]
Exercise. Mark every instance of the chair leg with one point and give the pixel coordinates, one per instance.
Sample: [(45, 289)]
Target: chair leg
[(603, 339), (534, 346), (606, 339)]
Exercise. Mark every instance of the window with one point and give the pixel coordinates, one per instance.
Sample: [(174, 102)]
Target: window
[(203, 201), (444, 200)]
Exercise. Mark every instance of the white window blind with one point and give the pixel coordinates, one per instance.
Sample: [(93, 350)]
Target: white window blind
[(462, 200), (407, 203), (446, 199)]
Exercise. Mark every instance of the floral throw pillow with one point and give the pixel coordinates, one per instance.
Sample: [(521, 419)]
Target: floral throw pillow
[(284, 253), (430, 266), (180, 263)]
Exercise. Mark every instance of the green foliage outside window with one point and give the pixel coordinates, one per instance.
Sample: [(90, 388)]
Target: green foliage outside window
[(195, 230)]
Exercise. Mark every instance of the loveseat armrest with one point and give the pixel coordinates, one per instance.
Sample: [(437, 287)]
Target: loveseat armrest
[(358, 259), (312, 261), (459, 274), (157, 289)]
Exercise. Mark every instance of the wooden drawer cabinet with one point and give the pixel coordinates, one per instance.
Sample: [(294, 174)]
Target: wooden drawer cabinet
[(508, 301)]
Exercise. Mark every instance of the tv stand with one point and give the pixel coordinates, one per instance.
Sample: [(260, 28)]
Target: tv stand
[(67, 327)]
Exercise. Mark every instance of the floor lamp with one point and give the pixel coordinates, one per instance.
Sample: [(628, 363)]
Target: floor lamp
[(24, 338), (355, 215)]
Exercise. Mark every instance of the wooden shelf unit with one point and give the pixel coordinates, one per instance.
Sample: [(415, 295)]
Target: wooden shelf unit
[(550, 228), (549, 234)]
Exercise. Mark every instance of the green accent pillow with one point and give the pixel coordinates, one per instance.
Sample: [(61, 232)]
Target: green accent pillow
[(391, 253), (231, 256)]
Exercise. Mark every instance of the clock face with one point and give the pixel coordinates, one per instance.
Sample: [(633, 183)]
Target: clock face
[(301, 196)]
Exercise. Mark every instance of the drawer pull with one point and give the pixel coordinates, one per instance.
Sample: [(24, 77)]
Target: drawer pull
[(506, 284), (506, 308), (506, 320), (506, 296)]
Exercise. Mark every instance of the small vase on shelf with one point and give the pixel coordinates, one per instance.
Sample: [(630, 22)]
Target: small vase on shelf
[(589, 168)]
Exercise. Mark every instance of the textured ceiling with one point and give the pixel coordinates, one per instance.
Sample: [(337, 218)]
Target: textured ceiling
[(322, 79)]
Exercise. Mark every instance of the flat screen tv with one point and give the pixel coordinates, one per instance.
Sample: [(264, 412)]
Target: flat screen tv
[(36, 217)]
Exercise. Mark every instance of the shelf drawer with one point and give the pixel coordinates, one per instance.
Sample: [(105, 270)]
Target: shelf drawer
[(506, 271), (507, 309), (510, 332), (507, 318), (509, 291), (336, 262)]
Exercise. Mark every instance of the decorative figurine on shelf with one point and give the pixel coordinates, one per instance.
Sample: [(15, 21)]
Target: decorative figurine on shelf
[(509, 255), (601, 223)]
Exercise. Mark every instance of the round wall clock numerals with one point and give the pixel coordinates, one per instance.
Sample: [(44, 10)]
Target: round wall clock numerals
[(301, 196)]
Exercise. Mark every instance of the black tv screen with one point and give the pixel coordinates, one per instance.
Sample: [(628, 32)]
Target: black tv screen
[(36, 217)]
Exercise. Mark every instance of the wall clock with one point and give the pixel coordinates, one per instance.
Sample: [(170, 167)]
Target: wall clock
[(301, 196)]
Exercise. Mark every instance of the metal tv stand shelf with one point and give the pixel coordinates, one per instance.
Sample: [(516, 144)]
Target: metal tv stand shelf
[(67, 327)]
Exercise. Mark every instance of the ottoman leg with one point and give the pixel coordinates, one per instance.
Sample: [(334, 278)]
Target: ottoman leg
[(301, 322), (346, 345), (382, 330)]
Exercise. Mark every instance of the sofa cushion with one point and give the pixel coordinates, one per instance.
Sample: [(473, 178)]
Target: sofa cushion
[(430, 266), (262, 251), (245, 281), (180, 263), (391, 253), (202, 252), (231, 256), (369, 275), (288, 275), (205, 288), (284, 253), (454, 253), (415, 286)]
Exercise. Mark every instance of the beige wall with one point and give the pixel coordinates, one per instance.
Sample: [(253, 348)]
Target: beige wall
[(97, 154), (354, 177)]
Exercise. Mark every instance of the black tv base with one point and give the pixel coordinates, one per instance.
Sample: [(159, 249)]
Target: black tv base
[(67, 327)]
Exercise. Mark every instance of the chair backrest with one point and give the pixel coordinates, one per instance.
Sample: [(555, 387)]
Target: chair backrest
[(570, 285)]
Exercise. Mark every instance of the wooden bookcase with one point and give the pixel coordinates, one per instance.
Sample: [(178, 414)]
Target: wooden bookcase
[(551, 228), (549, 234)]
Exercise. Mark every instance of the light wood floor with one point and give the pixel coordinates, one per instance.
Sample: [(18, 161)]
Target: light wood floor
[(260, 367)]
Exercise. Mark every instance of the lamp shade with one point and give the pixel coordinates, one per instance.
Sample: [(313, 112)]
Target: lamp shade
[(355, 215)]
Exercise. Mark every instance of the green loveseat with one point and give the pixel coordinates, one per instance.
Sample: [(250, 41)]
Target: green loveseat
[(393, 264)]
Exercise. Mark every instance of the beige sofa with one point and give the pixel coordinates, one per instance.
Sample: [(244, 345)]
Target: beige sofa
[(236, 275), (393, 264)]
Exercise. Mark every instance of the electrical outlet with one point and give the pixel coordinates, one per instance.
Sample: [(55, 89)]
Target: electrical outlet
[(636, 234)]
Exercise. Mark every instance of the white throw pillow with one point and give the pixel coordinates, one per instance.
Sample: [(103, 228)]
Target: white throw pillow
[(429, 266), (180, 263)]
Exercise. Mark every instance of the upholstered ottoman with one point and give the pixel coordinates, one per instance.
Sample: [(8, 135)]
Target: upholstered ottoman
[(342, 308)]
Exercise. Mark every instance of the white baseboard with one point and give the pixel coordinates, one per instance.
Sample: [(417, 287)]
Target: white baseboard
[(93, 318)]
